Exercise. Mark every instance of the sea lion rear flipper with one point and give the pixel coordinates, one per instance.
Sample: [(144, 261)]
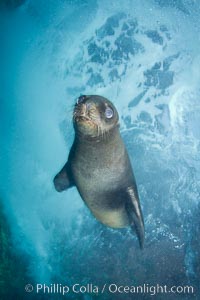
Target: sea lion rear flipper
[(134, 213), (63, 180)]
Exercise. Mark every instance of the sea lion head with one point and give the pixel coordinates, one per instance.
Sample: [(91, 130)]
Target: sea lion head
[(94, 116)]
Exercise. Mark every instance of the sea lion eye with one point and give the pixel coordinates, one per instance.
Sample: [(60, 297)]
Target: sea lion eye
[(109, 113), (80, 99)]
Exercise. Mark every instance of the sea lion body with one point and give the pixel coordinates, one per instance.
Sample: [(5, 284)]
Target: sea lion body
[(100, 168), (99, 180)]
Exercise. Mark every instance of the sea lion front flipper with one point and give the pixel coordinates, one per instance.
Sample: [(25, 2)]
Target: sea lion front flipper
[(64, 179), (134, 213)]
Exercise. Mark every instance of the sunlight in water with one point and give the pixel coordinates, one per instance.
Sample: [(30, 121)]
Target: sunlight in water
[(144, 57)]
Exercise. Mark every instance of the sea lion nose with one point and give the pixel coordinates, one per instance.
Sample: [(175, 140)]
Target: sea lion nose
[(81, 99)]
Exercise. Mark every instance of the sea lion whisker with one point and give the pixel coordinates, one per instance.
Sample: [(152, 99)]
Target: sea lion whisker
[(106, 134), (102, 133), (93, 116)]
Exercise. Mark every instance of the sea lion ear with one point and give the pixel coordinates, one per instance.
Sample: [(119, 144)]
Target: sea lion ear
[(134, 213), (63, 180)]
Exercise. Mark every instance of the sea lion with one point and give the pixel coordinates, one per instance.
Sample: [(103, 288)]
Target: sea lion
[(99, 166)]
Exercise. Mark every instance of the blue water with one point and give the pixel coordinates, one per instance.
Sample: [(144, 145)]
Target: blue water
[(143, 55)]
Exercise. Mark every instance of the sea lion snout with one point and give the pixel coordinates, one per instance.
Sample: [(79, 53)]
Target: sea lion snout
[(94, 115), (82, 110)]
